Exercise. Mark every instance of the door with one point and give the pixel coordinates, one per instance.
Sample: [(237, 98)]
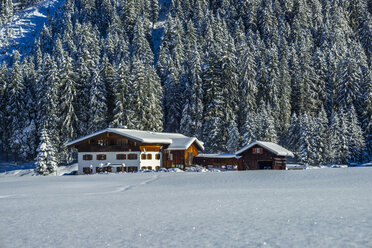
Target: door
[(265, 165)]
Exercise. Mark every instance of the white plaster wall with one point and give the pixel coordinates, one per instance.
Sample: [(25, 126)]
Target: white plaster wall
[(111, 158), (153, 162)]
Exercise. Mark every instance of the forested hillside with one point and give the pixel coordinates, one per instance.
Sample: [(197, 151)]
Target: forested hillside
[(296, 72)]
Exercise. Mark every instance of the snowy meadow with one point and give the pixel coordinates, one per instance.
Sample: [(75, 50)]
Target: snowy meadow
[(309, 208)]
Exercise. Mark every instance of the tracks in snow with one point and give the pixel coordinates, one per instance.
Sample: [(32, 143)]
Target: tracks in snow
[(125, 188)]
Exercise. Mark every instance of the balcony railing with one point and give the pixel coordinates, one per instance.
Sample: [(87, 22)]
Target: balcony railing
[(110, 148)]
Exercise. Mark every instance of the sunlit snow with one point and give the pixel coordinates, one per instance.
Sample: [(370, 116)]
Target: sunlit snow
[(307, 208)]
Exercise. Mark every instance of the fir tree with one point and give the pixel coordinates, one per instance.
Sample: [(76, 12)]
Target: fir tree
[(97, 104), (46, 159)]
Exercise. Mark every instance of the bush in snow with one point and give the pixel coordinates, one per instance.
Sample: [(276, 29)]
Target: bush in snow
[(45, 161)]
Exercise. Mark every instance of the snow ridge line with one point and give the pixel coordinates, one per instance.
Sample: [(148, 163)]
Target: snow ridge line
[(154, 178), (6, 196), (118, 190), (123, 189)]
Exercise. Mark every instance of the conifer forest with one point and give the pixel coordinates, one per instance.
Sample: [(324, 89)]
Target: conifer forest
[(294, 72)]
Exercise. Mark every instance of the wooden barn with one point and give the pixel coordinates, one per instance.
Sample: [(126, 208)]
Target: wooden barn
[(218, 161), (261, 155), (258, 155)]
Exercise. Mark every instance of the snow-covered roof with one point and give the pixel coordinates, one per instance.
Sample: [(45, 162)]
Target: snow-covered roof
[(216, 155), (174, 140), (184, 143), (274, 148)]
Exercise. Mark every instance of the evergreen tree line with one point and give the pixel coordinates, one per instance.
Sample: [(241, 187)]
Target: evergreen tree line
[(295, 72)]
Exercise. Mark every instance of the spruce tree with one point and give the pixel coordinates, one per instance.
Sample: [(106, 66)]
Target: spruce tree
[(97, 103), (46, 156)]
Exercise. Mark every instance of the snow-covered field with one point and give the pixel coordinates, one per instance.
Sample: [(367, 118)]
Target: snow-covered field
[(307, 208)]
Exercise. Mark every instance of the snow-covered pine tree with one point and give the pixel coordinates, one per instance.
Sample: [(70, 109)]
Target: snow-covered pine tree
[(153, 101), (46, 161), (6, 11), (47, 97), (266, 130), (284, 95), (136, 104), (320, 138), (109, 77), (140, 46), (122, 96), (97, 103), (3, 103), (293, 135), (30, 129), (154, 11), (192, 113), (356, 142), (247, 91), (214, 104), (348, 87), (68, 124), (16, 112)]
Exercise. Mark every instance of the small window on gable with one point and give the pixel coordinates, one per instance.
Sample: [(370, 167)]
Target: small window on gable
[(101, 156), (102, 142), (121, 156), (157, 156), (143, 156), (87, 157), (149, 156), (257, 150)]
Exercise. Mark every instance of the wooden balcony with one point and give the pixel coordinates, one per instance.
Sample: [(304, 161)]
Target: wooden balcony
[(108, 148)]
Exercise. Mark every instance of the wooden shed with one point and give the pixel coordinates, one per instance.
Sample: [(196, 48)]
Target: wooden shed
[(219, 161), (261, 155)]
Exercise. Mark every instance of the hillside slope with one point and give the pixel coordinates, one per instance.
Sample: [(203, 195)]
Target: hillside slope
[(24, 27)]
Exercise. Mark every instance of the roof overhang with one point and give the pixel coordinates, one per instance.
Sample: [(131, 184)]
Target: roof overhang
[(186, 145), (109, 130), (272, 147), (218, 156)]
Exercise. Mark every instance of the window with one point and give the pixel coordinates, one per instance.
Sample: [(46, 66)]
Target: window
[(132, 156), (87, 157), (143, 156), (149, 156), (87, 170), (121, 156), (157, 156), (170, 156), (132, 168), (101, 156), (257, 150), (102, 142), (118, 142)]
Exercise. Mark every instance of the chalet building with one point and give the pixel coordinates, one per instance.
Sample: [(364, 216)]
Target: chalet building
[(261, 155), (258, 155), (118, 149)]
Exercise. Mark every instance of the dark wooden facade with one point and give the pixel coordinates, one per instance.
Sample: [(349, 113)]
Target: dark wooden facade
[(216, 162), (254, 158), (258, 161), (179, 158)]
